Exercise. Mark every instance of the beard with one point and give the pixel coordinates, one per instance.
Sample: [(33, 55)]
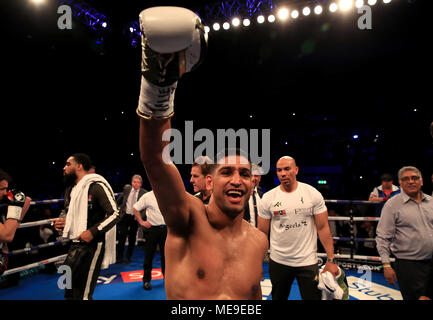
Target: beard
[(69, 179)]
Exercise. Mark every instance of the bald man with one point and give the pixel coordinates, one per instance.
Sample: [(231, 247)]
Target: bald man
[(297, 213)]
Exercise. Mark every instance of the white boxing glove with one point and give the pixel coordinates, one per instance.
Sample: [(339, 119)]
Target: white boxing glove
[(173, 42)]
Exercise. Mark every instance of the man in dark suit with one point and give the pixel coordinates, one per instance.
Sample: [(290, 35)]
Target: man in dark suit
[(128, 226), (250, 213)]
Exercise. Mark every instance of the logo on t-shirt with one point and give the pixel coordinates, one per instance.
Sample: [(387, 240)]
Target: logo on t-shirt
[(306, 211), (278, 204), (279, 213)]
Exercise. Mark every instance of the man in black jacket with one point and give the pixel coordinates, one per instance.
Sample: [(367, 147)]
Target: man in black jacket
[(128, 226), (91, 217)]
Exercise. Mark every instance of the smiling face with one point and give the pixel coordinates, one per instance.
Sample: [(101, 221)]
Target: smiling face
[(232, 184), (411, 182)]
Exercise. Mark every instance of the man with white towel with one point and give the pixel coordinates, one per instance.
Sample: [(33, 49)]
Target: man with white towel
[(91, 216)]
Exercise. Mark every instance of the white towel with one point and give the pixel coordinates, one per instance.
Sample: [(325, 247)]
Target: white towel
[(333, 287), (76, 219)]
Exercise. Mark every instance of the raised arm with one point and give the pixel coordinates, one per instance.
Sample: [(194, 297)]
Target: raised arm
[(173, 42)]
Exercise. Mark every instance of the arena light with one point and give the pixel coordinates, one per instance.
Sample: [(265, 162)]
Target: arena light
[(386, 1), (236, 22), (294, 14), (306, 11), (333, 7), (345, 5), (260, 19), (359, 3), (271, 18), (318, 9), (283, 14), (246, 22), (206, 29), (37, 2), (226, 25), (372, 2), (216, 26), (104, 25)]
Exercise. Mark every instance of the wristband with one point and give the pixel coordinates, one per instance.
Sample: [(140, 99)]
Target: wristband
[(386, 265)]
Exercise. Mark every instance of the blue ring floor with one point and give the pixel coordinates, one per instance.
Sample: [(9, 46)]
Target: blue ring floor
[(124, 282)]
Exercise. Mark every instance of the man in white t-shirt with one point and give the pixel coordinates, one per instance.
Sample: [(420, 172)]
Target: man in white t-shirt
[(296, 214), (155, 234)]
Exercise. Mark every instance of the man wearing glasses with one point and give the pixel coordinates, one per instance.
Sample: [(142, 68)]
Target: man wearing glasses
[(405, 230)]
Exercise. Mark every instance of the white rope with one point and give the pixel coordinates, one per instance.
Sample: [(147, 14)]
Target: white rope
[(36, 223), (36, 264), (358, 257), (333, 218)]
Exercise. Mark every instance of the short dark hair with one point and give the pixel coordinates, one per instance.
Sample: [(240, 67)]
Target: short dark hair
[(83, 159), (233, 152), (206, 165), (386, 177), (5, 176)]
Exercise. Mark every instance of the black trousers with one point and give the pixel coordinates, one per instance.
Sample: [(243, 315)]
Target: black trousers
[(85, 261), (154, 236), (412, 276), (128, 227), (282, 278)]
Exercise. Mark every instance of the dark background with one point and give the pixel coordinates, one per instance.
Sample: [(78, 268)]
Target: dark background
[(61, 93)]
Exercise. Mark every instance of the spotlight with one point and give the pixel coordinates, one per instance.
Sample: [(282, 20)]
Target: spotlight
[(226, 25), (246, 22), (271, 18), (260, 19), (306, 11), (294, 14), (359, 3), (37, 1), (372, 2), (283, 14), (355, 136), (236, 22), (206, 29), (345, 4), (318, 9), (104, 25), (333, 7), (131, 29), (216, 26), (386, 1)]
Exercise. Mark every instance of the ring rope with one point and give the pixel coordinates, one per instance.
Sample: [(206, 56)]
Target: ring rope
[(34, 248), (354, 202), (348, 256), (34, 265), (355, 239), (333, 218), (36, 223)]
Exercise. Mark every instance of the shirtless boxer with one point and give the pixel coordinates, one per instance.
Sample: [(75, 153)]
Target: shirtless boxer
[(211, 251)]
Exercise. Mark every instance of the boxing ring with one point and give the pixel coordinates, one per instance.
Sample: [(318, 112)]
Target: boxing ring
[(60, 241), (347, 261)]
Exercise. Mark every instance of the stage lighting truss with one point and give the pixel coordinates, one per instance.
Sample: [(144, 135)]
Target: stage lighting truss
[(261, 11), (87, 15), (229, 15)]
